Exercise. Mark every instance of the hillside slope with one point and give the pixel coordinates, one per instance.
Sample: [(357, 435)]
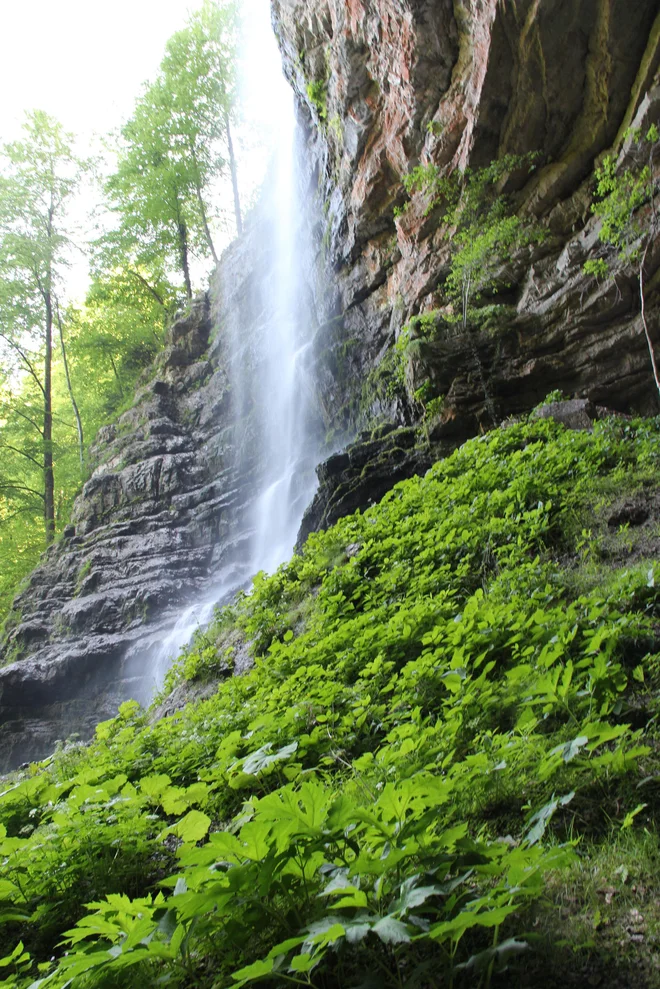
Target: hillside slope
[(445, 727)]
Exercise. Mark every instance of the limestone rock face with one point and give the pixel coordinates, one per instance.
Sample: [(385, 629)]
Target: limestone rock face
[(385, 85), (363, 472)]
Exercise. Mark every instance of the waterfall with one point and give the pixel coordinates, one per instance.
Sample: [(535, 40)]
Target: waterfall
[(275, 429), (283, 378)]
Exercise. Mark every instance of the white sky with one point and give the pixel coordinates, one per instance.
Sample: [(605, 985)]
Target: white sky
[(84, 62)]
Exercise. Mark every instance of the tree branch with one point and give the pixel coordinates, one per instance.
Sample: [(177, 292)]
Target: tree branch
[(24, 358), (74, 404), (9, 486), (27, 418), (22, 453), (149, 288)]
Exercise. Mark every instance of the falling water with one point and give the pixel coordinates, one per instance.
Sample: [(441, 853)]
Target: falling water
[(283, 378), (269, 369)]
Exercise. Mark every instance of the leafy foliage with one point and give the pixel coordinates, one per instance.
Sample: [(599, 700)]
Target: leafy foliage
[(67, 368), (39, 176), (486, 232), (620, 194), (338, 811), (627, 209), (169, 155)]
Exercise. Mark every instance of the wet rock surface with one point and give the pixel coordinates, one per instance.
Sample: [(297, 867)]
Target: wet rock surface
[(161, 523), (363, 472)]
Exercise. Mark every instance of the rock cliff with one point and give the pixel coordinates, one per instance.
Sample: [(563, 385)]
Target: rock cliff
[(165, 521), (385, 85), (382, 86)]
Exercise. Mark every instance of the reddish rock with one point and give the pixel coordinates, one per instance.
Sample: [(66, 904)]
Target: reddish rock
[(457, 84)]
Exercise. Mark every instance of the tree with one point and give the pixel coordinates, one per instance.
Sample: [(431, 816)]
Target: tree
[(629, 219), (114, 336), (199, 72), (170, 155), (39, 176)]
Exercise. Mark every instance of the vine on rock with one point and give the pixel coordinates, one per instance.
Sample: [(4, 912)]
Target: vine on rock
[(630, 224)]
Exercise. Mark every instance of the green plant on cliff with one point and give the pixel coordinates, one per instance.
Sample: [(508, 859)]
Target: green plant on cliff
[(431, 181), (486, 232), (451, 719), (317, 94), (483, 229), (483, 233), (630, 224)]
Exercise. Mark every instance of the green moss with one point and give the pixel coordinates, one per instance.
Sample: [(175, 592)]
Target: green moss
[(317, 94), (84, 571), (336, 128)]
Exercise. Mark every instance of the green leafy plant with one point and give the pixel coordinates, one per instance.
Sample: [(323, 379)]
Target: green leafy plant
[(440, 725), (627, 209), (486, 232)]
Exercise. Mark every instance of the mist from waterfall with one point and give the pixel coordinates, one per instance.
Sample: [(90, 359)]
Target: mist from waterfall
[(269, 367)]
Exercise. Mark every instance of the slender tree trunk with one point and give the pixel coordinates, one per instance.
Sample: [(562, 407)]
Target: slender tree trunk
[(114, 368), (202, 207), (183, 254), (49, 479), (234, 177), (205, 225), (152, 291), (74, 404), (649, 342)]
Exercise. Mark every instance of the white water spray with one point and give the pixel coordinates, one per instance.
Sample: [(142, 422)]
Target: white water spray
[(269, 372), (283, 377)]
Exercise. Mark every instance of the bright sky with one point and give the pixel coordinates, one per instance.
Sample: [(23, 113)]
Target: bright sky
[(84, 62)]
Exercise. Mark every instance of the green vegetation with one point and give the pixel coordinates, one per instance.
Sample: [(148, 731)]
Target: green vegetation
[(628, 213), (486, 233), (317, 93), (449, 730), (39, 175), (485, 230), (169, 155), (482, 234)]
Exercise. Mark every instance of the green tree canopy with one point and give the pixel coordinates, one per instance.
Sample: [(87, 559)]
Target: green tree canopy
[(171, 153)]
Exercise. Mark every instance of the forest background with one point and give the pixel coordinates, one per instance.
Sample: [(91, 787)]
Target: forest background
[(165, 197)]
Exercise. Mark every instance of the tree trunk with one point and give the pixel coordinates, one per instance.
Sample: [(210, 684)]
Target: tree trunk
[(183, 254), (202, 207), (49, 479), (118, 379), (649, 342), (234, 177), (152, 291), (74, 404)]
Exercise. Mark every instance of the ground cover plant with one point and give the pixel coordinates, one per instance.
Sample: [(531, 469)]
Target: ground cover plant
[(450, 729)]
